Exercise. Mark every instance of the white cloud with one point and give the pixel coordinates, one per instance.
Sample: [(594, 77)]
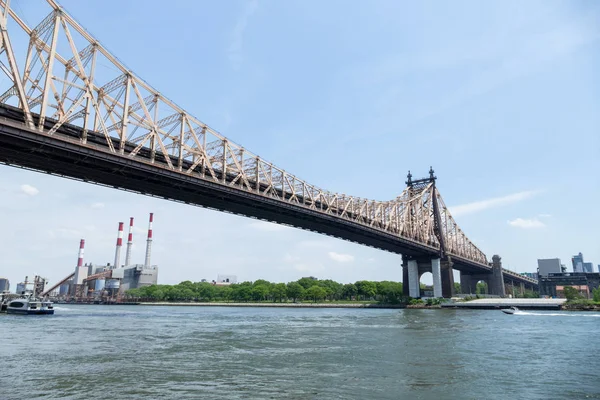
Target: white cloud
[(97, 205), (237, 36), (477, 206), (29, 190), (343, 258), (526, 223)]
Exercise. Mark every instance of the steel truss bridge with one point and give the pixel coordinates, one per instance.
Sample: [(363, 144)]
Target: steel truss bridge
[(72, 109)]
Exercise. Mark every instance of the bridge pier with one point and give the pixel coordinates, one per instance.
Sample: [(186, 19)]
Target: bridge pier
[(414, 289), (496, 285), (437, 277), (412, 269), (447, 277)]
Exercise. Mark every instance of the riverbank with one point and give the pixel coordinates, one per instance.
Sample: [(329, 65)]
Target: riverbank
[(278, 305), (580, 307)]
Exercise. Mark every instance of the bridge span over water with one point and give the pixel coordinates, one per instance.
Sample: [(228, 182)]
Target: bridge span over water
[(63, 112)]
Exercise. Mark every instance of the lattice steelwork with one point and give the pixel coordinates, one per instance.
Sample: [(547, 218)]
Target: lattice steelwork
[(66, 78)]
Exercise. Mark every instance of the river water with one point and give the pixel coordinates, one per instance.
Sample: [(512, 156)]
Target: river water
[(138, 352)]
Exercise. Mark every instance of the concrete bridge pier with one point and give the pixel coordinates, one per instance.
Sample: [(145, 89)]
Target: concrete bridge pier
[(412, 269), (447, 279)]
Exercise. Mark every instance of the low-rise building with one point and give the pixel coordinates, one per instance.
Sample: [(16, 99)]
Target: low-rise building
[(553, 283)]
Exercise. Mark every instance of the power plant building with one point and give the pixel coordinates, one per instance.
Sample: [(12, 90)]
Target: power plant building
[(108, 282), (138, 275)]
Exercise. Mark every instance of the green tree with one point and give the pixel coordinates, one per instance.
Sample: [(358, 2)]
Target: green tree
[(481, 288), (596, 294), (206, 291), (315, 293), (307, 282), (571, 293), (333, 289), (295, 291), (242, 292), (389, 292), (260, 292), (349, 291), (278, 292), (366, 289), (224, 292), (457, 288)]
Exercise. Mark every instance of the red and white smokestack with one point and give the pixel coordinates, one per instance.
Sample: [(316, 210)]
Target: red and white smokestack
[(80, 256), (119, 245), (149, 241), (129, 242)]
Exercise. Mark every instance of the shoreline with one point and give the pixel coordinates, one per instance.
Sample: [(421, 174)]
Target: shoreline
[(277, 305)]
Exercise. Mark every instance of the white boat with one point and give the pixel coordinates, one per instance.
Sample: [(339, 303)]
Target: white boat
[(28, 303), (511, 310), (29, 306)]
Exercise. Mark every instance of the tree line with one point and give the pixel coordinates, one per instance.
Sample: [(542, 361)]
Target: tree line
[(304, 289)]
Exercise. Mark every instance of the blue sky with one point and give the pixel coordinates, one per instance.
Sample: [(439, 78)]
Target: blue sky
[(501, 98)]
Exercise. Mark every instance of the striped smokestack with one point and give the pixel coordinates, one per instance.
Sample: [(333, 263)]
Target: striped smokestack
[(80, 256), (119, 245), (129, 242), (149, 241)]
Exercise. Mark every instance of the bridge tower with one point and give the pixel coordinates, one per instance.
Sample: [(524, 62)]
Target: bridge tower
[(440, 264)]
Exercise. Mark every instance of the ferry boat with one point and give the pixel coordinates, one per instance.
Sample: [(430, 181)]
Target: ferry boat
[(27, 303)]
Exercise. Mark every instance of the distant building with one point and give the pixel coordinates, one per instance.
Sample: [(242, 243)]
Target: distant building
[(588, 267), (577, 262), (553, 284), (532, 275), (4, 285), (21, 287), (549, 266), (226, 279)]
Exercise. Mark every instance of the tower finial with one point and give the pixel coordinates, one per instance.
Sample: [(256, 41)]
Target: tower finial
[(431, 176), (409, 178)]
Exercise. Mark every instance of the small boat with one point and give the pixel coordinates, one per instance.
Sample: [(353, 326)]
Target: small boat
[(511, 310), (29, 306)]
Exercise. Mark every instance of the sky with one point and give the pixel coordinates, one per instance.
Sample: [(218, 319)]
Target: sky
[(502, 98)]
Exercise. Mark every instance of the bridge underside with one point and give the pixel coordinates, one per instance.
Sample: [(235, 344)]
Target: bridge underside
[(67, 157)]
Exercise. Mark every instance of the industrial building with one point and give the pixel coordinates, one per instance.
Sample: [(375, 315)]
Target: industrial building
[(107, 283)]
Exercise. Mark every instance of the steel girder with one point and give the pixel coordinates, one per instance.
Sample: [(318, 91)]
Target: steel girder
[(66, 78)]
